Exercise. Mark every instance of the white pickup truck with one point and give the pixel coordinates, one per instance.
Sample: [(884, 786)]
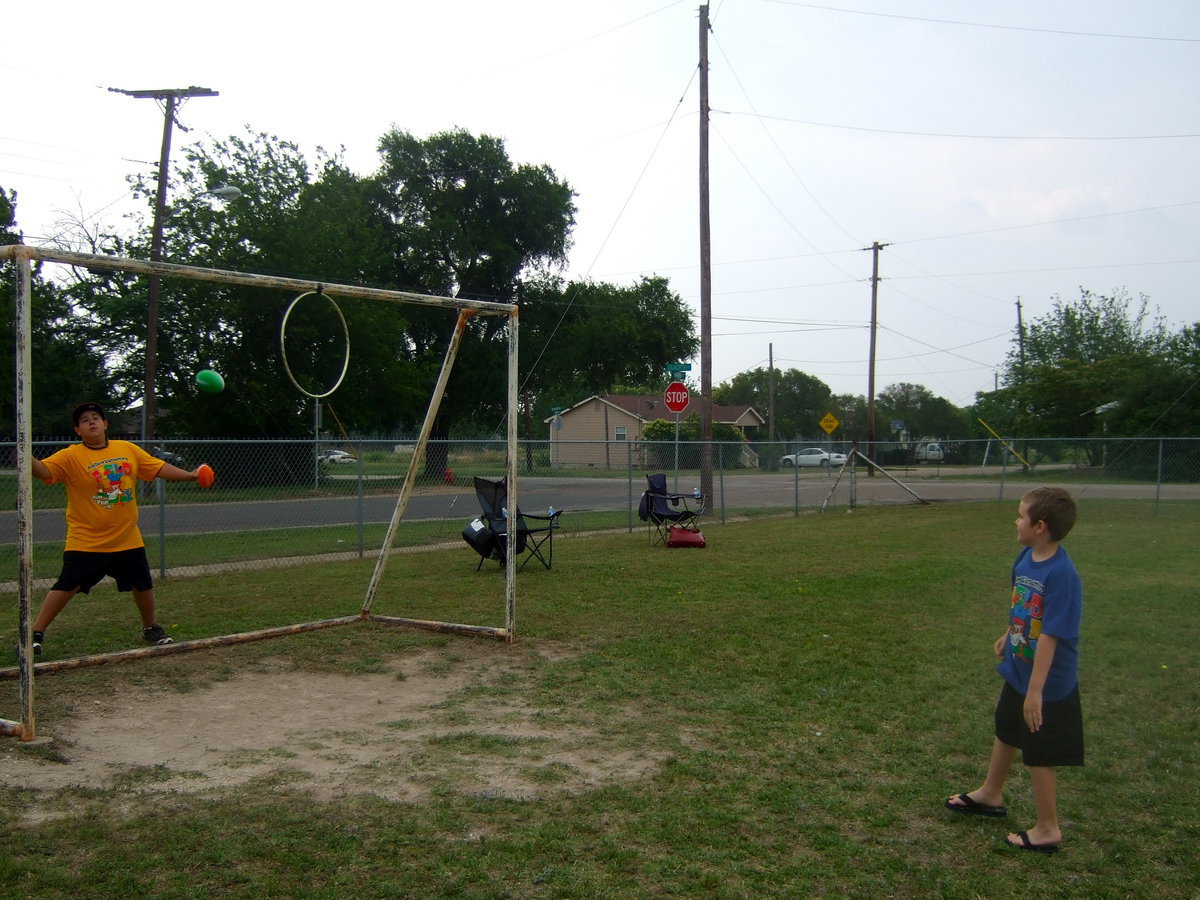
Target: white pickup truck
[(929, 453)]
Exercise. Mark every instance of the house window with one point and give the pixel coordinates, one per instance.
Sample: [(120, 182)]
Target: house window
[(620, 433)]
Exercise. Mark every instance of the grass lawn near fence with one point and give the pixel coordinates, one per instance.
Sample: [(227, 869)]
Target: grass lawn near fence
[(780, 714)]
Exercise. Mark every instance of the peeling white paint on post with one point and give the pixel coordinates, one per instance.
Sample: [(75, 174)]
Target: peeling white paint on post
[(510, 570), (223, 276), (22, 315), (431, 412)]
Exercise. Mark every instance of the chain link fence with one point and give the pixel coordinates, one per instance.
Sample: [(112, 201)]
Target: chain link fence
[(281, 503)]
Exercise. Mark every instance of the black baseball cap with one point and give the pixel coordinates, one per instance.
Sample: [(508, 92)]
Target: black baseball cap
[(87, 406)]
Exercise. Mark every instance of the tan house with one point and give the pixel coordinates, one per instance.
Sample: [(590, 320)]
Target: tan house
[(606, 432)]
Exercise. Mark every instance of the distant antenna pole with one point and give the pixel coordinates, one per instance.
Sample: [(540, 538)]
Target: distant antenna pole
[(170, 98), (706, 420), (1020, 339), (771, 391)]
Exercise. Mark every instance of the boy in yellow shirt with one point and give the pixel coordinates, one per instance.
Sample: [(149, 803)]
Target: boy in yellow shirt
[(102, 518)]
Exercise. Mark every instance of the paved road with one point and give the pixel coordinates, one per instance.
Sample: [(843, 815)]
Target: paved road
[(786, 490)]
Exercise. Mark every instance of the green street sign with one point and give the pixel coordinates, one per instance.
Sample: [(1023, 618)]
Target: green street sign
[(679, 367)]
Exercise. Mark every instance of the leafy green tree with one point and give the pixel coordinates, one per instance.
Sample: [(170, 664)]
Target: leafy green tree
[(801, 400), (1088, 330), (1097, 352), (66, 368), (464, 221), (851, 413), (691, 433), (689, 430), (924, 414), (584, 338), (290, 221), (447, 215)]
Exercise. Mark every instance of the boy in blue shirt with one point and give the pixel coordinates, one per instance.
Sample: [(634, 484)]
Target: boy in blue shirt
[(1039, 712)]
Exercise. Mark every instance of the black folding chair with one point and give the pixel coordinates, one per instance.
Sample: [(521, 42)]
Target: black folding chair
[(535, 534), (662, 510)]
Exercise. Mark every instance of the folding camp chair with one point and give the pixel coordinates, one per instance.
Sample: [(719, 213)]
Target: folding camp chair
[(489, 533), (662, 510)]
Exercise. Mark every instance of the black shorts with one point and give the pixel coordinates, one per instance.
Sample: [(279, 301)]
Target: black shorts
[(1059, 742), (84, 569)]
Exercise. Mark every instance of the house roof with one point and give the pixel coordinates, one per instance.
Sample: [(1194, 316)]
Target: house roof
[(647, 408)]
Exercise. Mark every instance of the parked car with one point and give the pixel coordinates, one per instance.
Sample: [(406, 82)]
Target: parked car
[(337, 457), (167, 456), (813, 456), (930, 453)]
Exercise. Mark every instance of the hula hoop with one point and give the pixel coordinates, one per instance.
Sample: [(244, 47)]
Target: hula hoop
[(283, 345)]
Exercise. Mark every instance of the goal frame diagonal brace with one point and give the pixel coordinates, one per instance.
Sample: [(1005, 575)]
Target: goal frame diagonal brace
[(23, 256)]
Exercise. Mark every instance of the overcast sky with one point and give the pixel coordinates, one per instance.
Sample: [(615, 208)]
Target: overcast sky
[(1002, 152)]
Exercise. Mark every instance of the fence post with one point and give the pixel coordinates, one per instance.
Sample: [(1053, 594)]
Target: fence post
[(161, 489), (362, 515), (854, 479), (629, 483), (721, 470), (1159, 480), (795, 488)]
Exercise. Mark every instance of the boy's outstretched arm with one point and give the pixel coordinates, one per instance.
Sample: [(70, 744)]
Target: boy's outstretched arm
[(1042, 657), (169, 472)]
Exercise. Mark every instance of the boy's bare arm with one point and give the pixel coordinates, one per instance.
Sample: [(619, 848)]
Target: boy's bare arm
[(1001, 643), (1042, 657), (169, 472), (41, 470)]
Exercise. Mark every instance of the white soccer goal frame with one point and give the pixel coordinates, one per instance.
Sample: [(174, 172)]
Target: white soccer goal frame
[(24, 255)]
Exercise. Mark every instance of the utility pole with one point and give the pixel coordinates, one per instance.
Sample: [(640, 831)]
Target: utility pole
[(170, 98), (875, 248), (1021, 359), (1020, 339), (706, 419), (771, 392)]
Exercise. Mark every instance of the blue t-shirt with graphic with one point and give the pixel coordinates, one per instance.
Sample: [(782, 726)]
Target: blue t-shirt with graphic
[(1047, 598)]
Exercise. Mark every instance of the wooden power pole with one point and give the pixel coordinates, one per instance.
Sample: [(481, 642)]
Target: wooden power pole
[(170, 98), (706, 418), (875, 248)]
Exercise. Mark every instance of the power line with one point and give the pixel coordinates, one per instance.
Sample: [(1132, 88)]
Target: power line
[(1121, 212), (962, 24), (970, 137)]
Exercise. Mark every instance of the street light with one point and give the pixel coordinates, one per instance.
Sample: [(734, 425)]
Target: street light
[(224, 192)]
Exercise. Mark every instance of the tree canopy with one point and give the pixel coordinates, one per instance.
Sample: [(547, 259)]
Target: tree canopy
[(924, 414), (1098, 365), (801, 400), (66, 367), (449, 215)]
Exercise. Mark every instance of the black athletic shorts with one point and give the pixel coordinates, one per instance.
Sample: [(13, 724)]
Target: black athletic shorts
[(84, 569), (1059, 742)]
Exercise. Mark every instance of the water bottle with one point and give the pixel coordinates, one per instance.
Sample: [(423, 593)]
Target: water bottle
[(696, 493), (504, 512), (550, 512)]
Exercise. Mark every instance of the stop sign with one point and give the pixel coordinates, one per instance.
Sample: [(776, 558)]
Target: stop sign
[(676, 396)]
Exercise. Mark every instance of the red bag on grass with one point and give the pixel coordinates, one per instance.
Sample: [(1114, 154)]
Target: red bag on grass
[(684, 537)]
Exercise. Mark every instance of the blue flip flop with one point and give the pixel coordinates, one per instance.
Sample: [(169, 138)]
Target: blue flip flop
[(975, 808)]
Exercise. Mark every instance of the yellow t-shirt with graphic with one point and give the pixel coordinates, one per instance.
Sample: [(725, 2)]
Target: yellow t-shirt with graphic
[(102, 511)]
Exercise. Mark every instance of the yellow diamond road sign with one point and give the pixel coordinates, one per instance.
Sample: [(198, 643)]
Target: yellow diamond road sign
[(829, 423)]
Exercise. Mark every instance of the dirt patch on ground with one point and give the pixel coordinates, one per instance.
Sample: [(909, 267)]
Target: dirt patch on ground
[(422, 725)]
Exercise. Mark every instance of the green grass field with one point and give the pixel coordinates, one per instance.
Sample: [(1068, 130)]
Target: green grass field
[(780, 714)]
